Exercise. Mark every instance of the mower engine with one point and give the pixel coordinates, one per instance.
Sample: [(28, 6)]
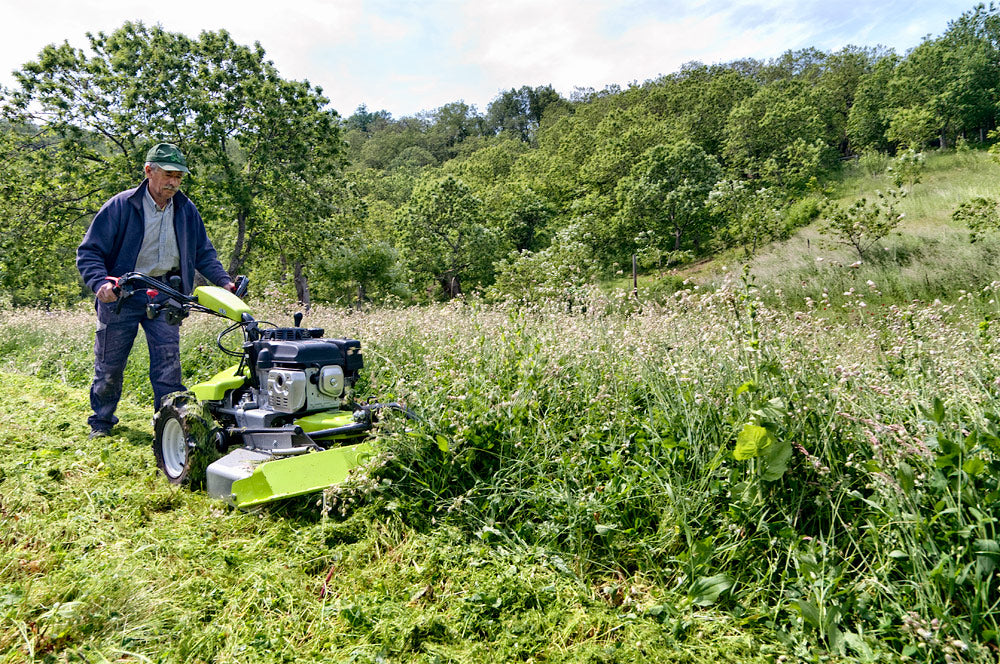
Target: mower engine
[(299, 371)]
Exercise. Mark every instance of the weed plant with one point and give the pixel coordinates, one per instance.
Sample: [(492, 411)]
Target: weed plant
[(709, 478)]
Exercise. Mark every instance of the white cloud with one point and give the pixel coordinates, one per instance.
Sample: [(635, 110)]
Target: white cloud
[(408, 56)]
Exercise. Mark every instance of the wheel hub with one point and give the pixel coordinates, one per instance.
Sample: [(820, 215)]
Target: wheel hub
[(175, 448)]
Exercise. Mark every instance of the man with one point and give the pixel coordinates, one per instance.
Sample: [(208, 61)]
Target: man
[(154, 229)]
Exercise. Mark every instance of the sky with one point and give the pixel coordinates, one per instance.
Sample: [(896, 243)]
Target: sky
[(408, 56)]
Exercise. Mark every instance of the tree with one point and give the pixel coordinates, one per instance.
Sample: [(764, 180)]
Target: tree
[(699, 101), (863, 223), (441, 237), (869, 117), (837, 87), (906, 169), (748, 217), (243, 127), (520, 111), (981, 215), (912, 127), (42, 210), (561, 270), (359, 269), (666, 192), (763, 126), (456, 122)]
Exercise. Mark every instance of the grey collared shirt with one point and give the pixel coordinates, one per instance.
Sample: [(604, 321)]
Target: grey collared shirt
[(158, 253)]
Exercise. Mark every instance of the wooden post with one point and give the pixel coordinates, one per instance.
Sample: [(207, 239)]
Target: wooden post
[(635, 278)]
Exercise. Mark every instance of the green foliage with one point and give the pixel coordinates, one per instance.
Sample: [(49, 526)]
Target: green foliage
[(441, 237), (768, 124), (561, 271), (665, 193), (359, 271), (906, 169), (40, 222), (863, 223), (873, 162), (749, 218), (802, 213), (519, 112), (912, 128), (980, 215), (257, 142)]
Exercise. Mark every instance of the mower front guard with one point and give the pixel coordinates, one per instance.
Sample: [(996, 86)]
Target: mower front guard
[(246, 478)]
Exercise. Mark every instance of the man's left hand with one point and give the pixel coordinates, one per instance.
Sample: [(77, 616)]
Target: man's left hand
[(231, 287)]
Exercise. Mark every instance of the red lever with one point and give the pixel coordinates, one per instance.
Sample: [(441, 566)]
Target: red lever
[(152, 292)]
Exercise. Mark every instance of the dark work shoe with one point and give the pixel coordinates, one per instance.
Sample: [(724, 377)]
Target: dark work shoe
[(99, 433)]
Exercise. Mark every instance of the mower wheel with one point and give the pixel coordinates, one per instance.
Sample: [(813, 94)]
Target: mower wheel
[(183, 439)]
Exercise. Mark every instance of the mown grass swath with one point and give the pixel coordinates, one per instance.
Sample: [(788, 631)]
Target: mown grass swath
[(822, 480)]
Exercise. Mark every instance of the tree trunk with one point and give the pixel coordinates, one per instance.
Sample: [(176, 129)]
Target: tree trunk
[(238, 257), (301, 285), (361, 295), (450, 285)]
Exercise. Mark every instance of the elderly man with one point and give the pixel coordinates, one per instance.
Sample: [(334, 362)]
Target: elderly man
[(154, 229)]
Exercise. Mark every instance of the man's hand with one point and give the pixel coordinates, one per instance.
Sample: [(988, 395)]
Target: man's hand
[(106, 293), (231, 287)]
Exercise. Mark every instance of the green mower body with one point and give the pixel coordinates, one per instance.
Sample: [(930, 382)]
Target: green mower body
[(281, 422)]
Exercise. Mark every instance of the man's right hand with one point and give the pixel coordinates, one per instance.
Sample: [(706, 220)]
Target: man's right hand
[(106, 293)]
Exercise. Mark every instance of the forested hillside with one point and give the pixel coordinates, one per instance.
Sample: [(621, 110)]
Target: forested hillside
[(536, 195)]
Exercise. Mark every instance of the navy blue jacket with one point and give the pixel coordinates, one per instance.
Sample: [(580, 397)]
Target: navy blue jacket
[(111, 245)]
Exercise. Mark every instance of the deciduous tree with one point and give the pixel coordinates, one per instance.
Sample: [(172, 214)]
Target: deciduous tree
[(666, 192), (243, 127), (441, 235)]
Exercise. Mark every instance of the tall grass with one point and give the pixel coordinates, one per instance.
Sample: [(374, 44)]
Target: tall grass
[(827, 483)]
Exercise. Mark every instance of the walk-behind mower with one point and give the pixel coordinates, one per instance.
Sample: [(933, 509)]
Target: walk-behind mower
[(287, 406)]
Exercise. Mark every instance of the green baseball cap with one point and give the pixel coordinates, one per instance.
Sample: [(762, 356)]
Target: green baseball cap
[(167, 157)]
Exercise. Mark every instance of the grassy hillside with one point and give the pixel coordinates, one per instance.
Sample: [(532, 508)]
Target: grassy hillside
[(928, 256)]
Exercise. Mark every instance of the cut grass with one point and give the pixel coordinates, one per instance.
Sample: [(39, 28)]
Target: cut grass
[(102, 560)]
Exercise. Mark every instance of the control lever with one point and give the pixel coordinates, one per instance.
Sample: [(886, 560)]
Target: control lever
[(242, 283)]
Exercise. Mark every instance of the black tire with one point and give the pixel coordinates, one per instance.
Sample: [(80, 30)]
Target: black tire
[(183, 440)]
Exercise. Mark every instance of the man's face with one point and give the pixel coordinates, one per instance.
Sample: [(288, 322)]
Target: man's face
[(163, 184)]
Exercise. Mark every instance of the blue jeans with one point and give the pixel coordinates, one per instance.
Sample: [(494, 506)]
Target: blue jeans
[(115, 336)]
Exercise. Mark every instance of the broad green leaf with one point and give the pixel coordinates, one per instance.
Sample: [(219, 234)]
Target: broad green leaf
[(775, 457), (808, 611), (987, 556), (751, 441), (936, 411), (905, 476), (442, 442), (857, 644), (774, 411), (706, 589), (974, 466)]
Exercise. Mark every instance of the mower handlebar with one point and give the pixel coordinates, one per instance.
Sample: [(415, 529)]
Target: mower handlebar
[(177, 302), (129, 281)]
